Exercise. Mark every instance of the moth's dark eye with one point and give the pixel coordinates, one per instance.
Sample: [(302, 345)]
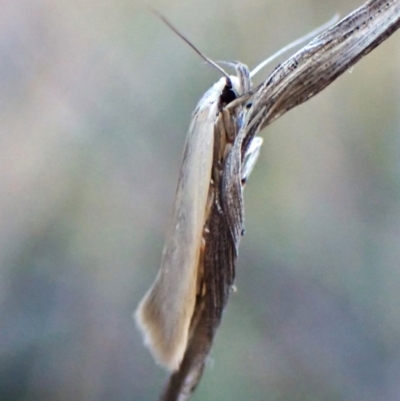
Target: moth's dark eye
[(227, 95)]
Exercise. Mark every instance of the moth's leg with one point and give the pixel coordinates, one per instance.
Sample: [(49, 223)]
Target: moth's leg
[(250, 157), (225, 135), (200, 268), (210, 200), (230, 125), (220, 144)]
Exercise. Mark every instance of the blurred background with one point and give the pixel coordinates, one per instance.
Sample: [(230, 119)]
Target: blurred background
[(95, 101)]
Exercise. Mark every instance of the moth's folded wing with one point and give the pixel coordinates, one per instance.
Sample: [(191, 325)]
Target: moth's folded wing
[(165, 312)]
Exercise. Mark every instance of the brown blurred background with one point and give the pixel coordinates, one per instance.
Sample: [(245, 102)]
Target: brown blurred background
[(95, 101)]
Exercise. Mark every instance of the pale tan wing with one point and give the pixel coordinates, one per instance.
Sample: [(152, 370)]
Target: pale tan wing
[(165, 312)]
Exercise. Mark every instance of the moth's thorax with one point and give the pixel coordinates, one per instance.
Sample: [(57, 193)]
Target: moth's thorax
[(223, 83)]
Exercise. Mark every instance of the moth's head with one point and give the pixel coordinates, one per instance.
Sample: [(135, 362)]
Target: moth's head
[(227, 89), (230, 89)]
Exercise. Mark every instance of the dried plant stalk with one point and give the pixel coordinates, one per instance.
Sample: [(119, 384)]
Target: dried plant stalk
[(238, 113)]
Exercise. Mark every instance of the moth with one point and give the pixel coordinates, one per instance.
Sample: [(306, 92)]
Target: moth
[(166, 312), (183, 307)]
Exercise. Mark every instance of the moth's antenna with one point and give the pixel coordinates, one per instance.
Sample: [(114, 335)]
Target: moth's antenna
[(294, 44), (202, 55)]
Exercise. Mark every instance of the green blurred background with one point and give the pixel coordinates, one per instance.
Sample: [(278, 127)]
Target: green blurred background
[(95, 101)]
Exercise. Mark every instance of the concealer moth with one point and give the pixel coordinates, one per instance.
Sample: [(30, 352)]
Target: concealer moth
[(181, 311), (165, 313)]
